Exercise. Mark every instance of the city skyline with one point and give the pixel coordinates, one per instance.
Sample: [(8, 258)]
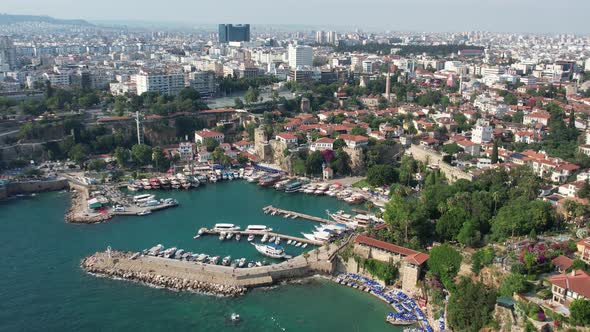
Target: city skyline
[(541, 16)]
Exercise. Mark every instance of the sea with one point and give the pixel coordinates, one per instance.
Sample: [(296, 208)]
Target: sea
[(43, 288)]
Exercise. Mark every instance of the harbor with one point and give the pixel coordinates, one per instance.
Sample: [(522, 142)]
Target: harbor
[(270, 235)]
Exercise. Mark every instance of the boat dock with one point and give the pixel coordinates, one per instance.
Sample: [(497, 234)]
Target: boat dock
[(292, 214), (283, 237)]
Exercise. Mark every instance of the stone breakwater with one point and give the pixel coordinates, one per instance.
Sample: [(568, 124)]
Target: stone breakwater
[(95, 264)]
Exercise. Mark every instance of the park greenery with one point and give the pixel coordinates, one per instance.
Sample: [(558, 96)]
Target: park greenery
[(471, 306)]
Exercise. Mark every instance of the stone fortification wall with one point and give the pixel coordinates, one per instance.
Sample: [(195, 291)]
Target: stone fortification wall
[(434, 158)]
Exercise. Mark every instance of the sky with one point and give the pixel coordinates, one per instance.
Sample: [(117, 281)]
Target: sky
[(539, 16)]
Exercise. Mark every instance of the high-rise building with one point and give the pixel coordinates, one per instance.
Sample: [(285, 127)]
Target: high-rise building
[(331, 37), (234, 33), (300, 55), (205, 82), (320, 37), (167, 84), (482, 133), (7, 54)]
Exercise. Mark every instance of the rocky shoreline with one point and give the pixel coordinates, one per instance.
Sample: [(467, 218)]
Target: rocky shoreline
[(156, 280)]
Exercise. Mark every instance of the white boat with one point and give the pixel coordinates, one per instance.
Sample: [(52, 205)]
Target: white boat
[(143, 198), (298, 244), (214, 260), (222, 236), (264, 238), (201, 257), (229, 235), (226, 260), (272, 239), (144, 212), (226, 227), (309, 236), (270, 250), (278, 240), (238, 237), (241, 262), (289, 242), (251, 237), (258, 228), (304, 245)]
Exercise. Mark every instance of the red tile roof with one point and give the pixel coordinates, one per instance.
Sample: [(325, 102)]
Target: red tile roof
[(577, 281), (562, 262), (412, 256)]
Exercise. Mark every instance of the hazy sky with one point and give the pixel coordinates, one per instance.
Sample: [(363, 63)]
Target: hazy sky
[(418, 15)]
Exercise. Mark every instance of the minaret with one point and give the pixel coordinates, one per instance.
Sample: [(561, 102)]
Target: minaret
[(388, 86), (461, 84)]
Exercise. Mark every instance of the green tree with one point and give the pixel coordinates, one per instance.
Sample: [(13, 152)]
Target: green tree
[(495, 152), (450, 223), (358, 131), (513, 283), (338, 143), (444, 262), (141, 154), (407, 219), (159, 160), (451, 148), (471, 306), (238, 103), (313, 164), (580, 312), (210, 143), (252, 95), (122, 156), (78, 153), (380, 175)]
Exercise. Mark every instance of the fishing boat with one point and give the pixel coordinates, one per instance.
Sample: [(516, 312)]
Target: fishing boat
[(175, 184), (269, 180), (251, 237), (132, 187), (155, 183), (270, 250)]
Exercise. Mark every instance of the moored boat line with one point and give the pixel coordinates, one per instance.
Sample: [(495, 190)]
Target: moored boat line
[(267, 236)]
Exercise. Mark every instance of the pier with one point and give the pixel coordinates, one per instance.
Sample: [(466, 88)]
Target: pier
[(270, 234), (276, 211)]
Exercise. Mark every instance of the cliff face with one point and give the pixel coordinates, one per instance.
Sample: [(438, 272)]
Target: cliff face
[(278, 156)]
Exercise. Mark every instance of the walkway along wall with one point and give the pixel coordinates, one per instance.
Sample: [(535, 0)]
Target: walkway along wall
[(432, 157)]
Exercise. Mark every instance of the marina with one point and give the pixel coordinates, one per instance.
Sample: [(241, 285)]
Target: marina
[(262, 234)]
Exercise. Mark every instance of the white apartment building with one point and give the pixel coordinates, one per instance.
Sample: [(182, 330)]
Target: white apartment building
[(482, 133), (300, 55), (168, 84), (204, 82)]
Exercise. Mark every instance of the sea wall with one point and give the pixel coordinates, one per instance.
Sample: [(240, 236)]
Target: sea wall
[(29, 187), (432, 157)]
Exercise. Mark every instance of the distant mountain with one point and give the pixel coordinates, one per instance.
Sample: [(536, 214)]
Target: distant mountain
[(6, 19)]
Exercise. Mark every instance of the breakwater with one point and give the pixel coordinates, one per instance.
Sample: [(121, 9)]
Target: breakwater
[(104, 264), (29, 187)]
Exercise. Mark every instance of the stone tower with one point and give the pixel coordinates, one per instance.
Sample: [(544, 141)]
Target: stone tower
[(261, 146)]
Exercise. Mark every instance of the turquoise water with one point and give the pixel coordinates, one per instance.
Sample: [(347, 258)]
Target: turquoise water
[(43, 288)]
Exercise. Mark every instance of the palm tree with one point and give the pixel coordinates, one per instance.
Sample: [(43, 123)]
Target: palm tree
[(317, 254), (306, 256), (369, 205), (495, 196)]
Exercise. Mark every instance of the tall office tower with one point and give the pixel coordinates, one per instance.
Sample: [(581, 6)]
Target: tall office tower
[(332, 37), (300, 55), (7, 54), (234, 33), (320, 37)]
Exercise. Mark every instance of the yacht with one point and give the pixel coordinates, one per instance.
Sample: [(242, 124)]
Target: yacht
[(226, 227), (258, 228), (143, 198), (251, 237), (293, 187), (270, 250)]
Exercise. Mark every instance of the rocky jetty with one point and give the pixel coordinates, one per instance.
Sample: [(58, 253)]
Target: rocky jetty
[(95, 264)]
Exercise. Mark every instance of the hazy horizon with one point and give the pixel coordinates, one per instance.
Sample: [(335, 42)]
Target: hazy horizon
[(535, 16)]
